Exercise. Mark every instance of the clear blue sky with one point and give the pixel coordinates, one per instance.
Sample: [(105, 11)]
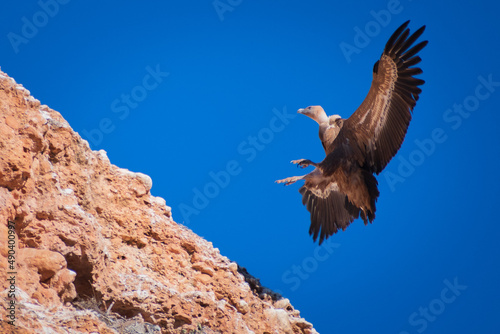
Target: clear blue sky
[(204, 101)]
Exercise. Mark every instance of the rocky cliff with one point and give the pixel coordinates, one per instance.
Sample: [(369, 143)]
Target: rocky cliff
[(86, 248)]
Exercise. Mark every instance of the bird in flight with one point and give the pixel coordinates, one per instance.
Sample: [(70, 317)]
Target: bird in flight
[(342, 187)]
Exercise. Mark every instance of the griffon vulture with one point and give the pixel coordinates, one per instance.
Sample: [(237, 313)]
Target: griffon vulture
[(342, 187)]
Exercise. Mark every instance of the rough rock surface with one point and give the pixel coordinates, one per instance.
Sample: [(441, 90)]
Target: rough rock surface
[(97, 253)]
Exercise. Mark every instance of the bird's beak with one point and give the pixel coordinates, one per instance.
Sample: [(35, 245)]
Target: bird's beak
[(301, 111)]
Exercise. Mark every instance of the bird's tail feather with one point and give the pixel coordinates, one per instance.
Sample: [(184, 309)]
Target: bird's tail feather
[(373, 193)]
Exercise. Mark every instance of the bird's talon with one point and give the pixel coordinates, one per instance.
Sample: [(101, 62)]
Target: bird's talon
[(302, 163)]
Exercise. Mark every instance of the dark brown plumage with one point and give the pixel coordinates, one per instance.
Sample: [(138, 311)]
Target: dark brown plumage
[(342, 187)]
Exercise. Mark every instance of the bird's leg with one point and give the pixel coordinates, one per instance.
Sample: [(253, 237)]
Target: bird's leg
[(290, 180), (303, 163)]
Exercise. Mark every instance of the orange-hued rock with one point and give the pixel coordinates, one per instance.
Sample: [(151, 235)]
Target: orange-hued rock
[(43, 261), (95, 252)]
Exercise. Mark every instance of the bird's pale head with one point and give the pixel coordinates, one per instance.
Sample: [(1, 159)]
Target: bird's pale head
[(315, 112)]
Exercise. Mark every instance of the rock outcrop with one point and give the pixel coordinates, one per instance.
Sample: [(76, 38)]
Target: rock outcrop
[(86, 248)]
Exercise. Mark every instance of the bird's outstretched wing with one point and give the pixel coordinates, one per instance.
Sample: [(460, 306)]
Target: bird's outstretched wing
[(330, 210), (380, 123)]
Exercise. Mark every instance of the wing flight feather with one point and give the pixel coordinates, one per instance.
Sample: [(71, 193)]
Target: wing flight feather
[(380, 123)]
